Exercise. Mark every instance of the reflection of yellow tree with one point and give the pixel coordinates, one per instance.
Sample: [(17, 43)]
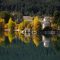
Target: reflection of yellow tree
[(54, 38), (11, 36), (21, 27), (23, 38), (6, 33), (1, 32), (56, 42), (36, 40), (1, 39)]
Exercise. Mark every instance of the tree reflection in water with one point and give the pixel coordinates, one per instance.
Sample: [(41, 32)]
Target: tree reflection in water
[(27, 32), (47, 40)]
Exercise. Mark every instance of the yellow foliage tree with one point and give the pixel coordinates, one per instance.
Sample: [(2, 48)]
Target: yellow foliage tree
[(23, 24), (1, 20), (11, 24), (35, 23)]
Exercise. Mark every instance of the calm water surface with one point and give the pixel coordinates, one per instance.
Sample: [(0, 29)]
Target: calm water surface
[(30, 47)]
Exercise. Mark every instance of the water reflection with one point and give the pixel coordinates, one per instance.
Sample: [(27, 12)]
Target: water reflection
[(47, 40), (30, 32), (25, 38)]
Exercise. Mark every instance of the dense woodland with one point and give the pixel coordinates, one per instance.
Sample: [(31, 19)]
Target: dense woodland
[(31, 7)]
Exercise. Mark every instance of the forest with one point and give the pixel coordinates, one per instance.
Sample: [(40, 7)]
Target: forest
[(31, 7)]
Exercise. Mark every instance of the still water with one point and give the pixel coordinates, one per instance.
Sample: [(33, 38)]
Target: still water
[(37, 46)]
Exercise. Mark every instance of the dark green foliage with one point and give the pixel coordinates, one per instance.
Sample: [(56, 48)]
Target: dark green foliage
[(5, 15), (31, 7)]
